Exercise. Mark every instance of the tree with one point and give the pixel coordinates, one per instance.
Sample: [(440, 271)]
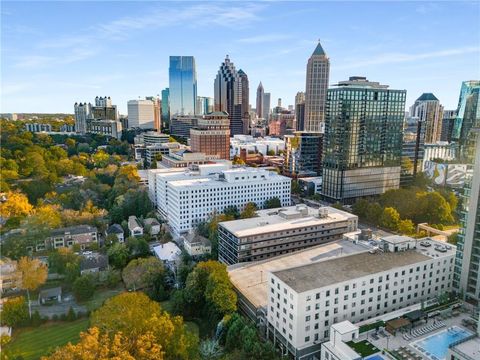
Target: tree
[(94, 345), (46, 215), (374, 212), (453, 238), (137, 247), (360, 208), (390, 218), (118, 255), (60, 258), (272, 203), (142, 273), (433, 208), (84, 287), (271, 152), (16, 204), (249, 211), (134, 315), (34, 273), (231, 211), (406, 227), (296, 188), (15, 312), (209, 286)]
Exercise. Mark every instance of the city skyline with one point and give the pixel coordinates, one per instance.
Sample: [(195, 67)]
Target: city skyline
[(46, 70)]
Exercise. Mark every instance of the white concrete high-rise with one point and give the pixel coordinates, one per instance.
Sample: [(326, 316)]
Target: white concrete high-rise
[(82, 113), (318, 70), (141, 114)]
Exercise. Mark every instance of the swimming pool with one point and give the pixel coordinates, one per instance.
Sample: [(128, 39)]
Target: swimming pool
[(435, 347), (375, 357)]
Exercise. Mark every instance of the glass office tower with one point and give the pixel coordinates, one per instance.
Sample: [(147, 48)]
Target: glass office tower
[(468, 115), (166, 107), (183, 85), (363, 140)]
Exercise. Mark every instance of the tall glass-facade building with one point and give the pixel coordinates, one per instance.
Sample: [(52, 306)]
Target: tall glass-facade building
[(182, 85), (166, 107), (303, 154), (468, 114), (466, 278), (363, 140)]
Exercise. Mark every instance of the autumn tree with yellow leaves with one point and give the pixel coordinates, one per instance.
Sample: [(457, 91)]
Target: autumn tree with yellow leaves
[(96, 346), (34, 273)]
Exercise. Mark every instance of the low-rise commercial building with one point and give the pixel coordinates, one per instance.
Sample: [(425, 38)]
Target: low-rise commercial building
[(305, 301), (279, 231)]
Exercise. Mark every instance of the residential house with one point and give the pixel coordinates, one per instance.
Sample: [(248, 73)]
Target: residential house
[(52, 294), (93, 263), (83, 235), (10, 278), (134, 226), (169, 254), (196, 245), (152, 225), (116, 230)]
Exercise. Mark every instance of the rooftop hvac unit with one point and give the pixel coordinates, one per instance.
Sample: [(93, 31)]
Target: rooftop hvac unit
[(322, 212)]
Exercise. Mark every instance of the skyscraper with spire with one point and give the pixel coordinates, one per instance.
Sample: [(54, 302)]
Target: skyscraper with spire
[(318, 70), (259, 104), (230, 94)]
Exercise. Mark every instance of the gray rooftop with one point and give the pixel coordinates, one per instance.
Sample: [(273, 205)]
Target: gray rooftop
[(74, 230), (329, 272), (286, 218)]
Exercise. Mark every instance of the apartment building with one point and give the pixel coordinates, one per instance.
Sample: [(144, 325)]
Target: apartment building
[(305, 301), (82, 235), (279, 231)]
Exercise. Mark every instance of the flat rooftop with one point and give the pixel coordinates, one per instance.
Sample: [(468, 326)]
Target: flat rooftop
[(272, 220), (470, 348), (251, 278), (307, 277)]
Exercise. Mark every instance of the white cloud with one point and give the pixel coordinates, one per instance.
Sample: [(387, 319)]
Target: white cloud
[(392, 58), (264, 38)]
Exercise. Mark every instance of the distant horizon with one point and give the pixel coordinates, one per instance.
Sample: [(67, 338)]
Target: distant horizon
[(52, 57)]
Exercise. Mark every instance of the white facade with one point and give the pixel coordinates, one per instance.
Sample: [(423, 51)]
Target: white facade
[(188, 198), (305, 301), (141, 113), (261, 145), (335, 348), (440, 150)]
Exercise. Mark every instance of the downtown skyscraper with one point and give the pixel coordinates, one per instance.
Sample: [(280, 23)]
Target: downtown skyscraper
[(318, 70), (182, 85), (259, 103), (428, 110), (468, 115), (362, 146), (229, 88)]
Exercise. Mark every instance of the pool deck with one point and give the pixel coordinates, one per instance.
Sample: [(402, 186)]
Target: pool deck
[(397, 341)]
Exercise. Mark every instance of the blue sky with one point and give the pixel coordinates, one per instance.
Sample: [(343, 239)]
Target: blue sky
[(56, 53)]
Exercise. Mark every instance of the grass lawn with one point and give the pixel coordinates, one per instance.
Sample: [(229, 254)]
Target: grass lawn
[(100, 296), (364, 347), (31, 343)]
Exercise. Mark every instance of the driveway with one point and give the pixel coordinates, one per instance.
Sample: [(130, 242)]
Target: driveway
[(59, 308)]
